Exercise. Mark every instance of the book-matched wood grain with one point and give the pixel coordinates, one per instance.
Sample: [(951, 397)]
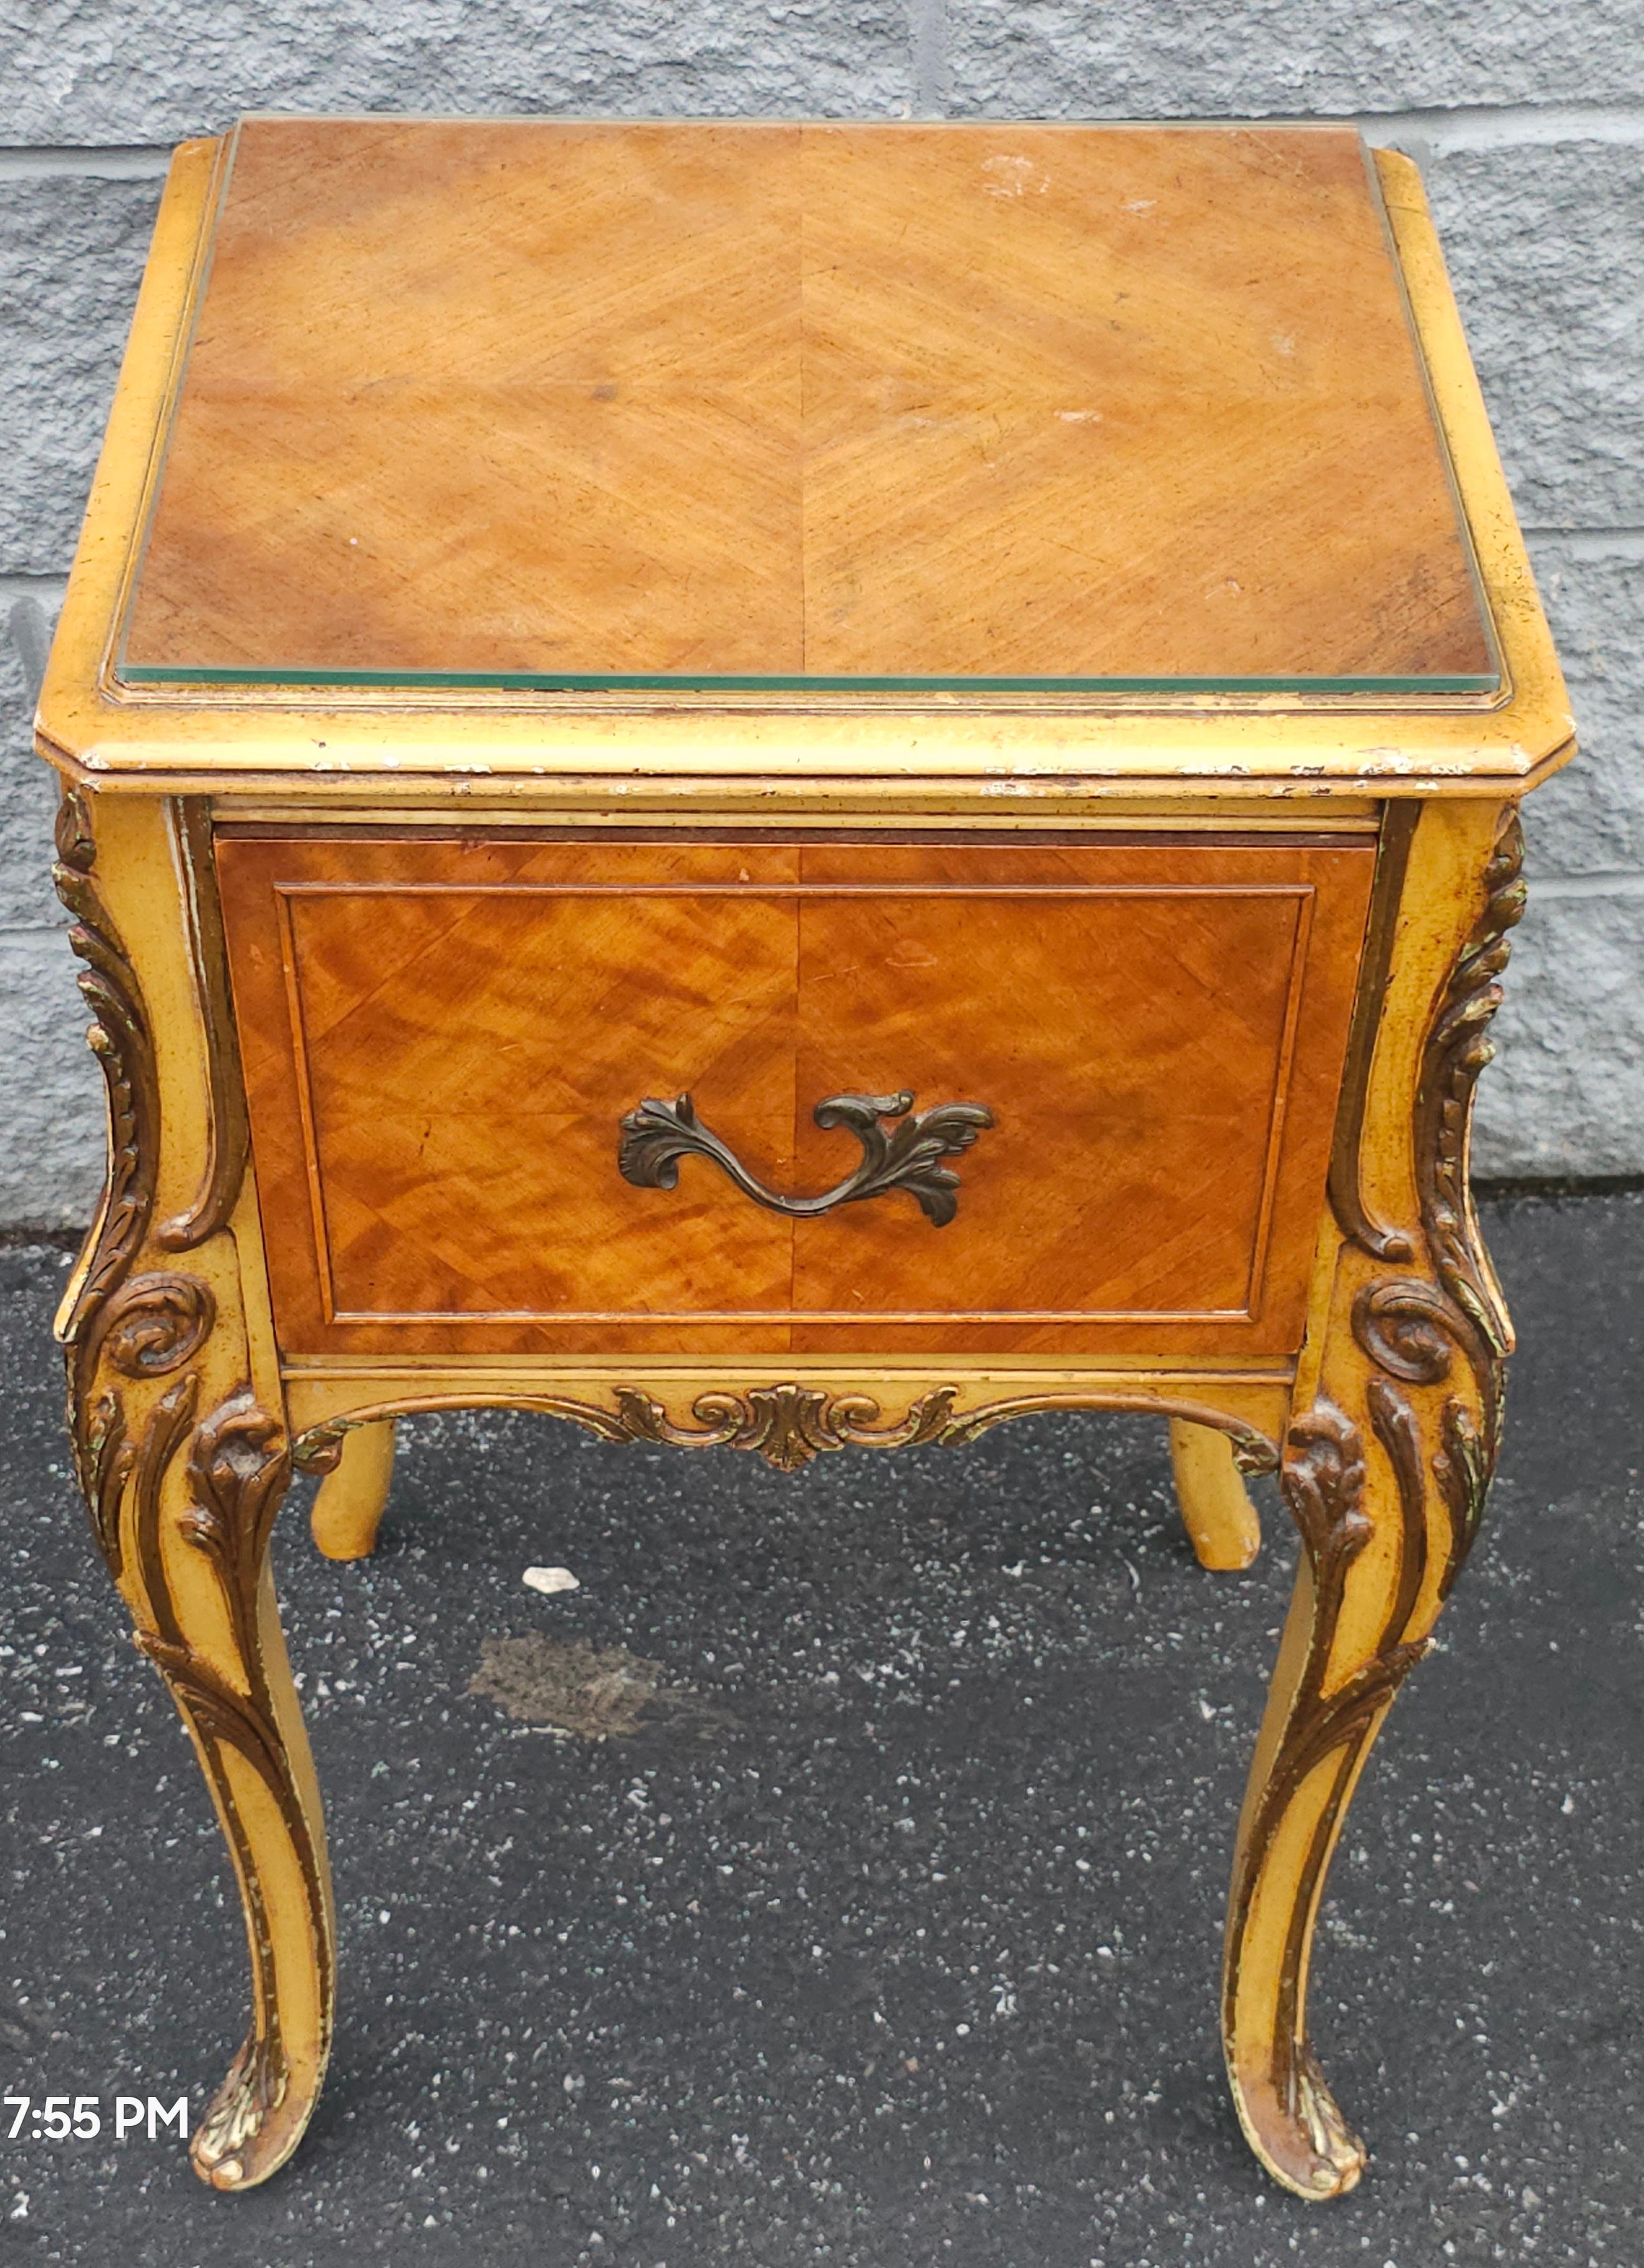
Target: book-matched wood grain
[(1117, 403), (804, 402), (441, 1038), (1158, 1032), (464, 395)]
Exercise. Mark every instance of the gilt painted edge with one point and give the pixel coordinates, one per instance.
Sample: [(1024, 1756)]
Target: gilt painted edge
[(228, 1126)]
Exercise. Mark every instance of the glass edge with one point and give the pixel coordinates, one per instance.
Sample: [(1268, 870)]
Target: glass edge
[(1476, 582), (584, 682), (122, 671)]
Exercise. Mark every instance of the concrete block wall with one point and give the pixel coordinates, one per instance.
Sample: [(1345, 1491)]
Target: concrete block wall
[(1527, 117)]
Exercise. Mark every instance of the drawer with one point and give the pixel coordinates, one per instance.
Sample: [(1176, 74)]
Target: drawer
[(443, 1037)]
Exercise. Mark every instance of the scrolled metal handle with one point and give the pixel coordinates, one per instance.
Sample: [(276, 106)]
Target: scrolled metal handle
[(899, 1151)]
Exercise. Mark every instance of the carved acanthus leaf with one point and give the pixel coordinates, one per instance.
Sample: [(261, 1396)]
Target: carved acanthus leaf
[(143, 1326), (319, 1450), (238, 1467), (103, 1457), (787, 1423), (1413, 1329), (163, 1431), (1322, 1481), (118, 1036)]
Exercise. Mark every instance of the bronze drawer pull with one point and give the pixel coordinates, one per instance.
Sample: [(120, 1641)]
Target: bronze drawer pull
[(657, 1135)]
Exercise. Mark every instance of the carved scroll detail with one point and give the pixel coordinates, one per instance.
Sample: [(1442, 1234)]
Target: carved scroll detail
[(142, 1326), (319, 1450), (131, 1337), (152, 1325), (1457, 1049), (1322, 1481), (118, 1036), (1422, 1376), (788, 1425), (657, 1135), (237, 1468), (1413, 1328)]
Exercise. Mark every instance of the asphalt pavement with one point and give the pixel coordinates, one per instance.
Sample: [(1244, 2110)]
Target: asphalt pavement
[(836, 1875)]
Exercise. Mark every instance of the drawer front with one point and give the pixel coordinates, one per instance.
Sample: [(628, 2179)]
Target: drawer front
[(442, 1040)]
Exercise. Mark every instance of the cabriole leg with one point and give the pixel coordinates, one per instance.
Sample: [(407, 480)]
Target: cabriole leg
[(183, 1468), (210, 1622), (1221, 1521), (354, 1494), (1386, 1466)]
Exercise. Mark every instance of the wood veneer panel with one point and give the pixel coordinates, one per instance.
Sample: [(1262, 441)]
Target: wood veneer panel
[(489, 396), (436, 1065), (1160, 1036), (1132, 402), (441, 1037), (784, 401)]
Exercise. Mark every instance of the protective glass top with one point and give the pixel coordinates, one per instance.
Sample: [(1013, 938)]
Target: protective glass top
[(543, 405)]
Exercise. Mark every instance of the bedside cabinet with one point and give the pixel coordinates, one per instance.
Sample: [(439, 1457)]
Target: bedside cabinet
[(793, 787)]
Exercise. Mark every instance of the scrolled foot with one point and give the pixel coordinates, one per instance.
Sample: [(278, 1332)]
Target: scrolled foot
[(255, 2120), (1297, 2131)]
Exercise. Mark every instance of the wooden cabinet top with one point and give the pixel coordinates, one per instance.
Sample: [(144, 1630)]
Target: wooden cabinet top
[(1143, 454)]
